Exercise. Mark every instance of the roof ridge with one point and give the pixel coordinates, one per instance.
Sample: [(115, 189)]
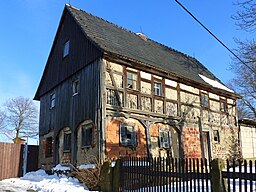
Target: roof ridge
[(125, 29)]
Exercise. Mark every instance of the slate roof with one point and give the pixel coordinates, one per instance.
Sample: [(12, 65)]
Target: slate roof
[(114, 39)]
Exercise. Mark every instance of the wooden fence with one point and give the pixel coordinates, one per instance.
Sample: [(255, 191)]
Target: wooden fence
[(11, 160), (176, 175)]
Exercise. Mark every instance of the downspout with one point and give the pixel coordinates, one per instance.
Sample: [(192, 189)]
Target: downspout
[(201, 138)]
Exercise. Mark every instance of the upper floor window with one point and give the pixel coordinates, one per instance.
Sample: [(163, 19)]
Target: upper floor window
[(87, 135), (216, 136), (204, 100), (66, 49), (75, 87), (52, 100), (164, 139), (127, 134), (158, 91), (223, 106), (49, 147), (67, 142), (132, 81)]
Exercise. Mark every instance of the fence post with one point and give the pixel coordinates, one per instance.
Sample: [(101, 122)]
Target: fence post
[(106, 177), (116, 176), (217, 181)]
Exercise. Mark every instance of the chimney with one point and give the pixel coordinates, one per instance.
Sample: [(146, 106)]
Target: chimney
[(142, 36)]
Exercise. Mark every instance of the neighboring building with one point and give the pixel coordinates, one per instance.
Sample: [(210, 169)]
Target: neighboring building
[(247, 137), (109, 92)]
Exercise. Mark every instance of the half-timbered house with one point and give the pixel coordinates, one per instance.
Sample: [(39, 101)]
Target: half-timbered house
[(108, 92)]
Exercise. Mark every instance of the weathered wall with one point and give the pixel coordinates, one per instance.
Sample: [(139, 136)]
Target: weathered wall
[(85, 153), (113, 147), (191, 142), (248, 141), (156, 151), (43, 161)]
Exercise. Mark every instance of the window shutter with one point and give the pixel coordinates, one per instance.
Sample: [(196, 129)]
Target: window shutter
[(123, 133)]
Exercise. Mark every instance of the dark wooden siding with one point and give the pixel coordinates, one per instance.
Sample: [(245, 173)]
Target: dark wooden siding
[(82, 52), (71, 110)]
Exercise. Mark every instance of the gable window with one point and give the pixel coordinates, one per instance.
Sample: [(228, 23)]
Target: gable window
[(127, 134), (164, 139), (66, 49), (67, 142), (132, 81), (87, 135), (158, 89), (204, 100), (223, 106), (75, 87), (216, 136), (48, 147), (52, 100)]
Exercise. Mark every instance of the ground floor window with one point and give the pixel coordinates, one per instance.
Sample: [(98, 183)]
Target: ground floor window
[(49, 147), (164, 139), (67, 142), (87, 135), (127, 134)]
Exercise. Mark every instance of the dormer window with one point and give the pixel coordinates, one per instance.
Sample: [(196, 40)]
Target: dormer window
[(158, 91), (66, 49), (131, 81)]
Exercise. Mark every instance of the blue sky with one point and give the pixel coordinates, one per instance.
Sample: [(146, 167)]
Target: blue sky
[(28, 27)]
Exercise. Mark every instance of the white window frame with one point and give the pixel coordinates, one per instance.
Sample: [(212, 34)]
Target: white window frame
[(127, 135), (132, 82), (158, 88)]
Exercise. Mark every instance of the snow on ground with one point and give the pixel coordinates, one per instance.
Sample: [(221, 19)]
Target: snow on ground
[(41, 182)]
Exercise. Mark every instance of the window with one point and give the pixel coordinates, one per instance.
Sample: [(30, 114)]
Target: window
[(52, 100), (223, 106), (157, 88), (67, 142), (87, 135), (164, 139), (66, 49), (204, 100), (131, 81), (48, 147), (127, 134), (216, 136), (75, 87)]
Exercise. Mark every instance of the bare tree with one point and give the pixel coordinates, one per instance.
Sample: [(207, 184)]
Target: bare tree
[(244, 82), (22, 118), (245, 17)]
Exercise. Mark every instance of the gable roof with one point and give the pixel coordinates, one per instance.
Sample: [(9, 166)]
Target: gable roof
[(116, 40)]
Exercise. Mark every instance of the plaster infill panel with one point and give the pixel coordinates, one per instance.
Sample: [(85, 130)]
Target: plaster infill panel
[(145, 75), (171, 94), (145, 87), (171, 109), (159, 106), (171, 83), (189, 98), (189, 88), (132, 101), (214, 105), (146, 104), (114, 66)]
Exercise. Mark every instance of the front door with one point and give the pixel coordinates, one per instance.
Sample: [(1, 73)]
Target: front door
[(206, 143)]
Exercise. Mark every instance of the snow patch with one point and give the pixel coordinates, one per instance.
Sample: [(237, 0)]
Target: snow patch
[(87, 166), (215, 83), (61, 168)]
